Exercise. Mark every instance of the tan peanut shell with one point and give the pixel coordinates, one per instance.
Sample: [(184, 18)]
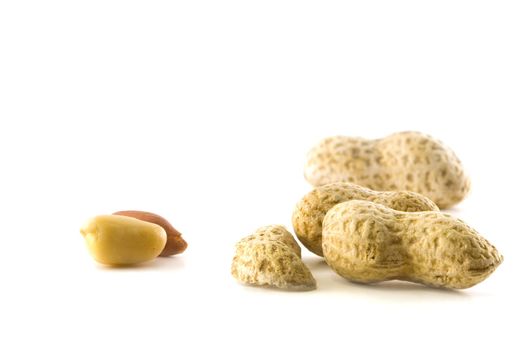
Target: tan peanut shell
[(408, 161), (309, 213), (175, 244), (271, 257), (368, 242), (274, 233)]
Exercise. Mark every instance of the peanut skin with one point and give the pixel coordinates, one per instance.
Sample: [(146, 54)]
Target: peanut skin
[(408, 161), (368, 242), (309, 213), (175, 244)]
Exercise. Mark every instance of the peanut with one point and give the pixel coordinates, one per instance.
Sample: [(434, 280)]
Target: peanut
[(175, 244), (310, 211), (121, 240), (368, 242), (271, 257), (408, 161)]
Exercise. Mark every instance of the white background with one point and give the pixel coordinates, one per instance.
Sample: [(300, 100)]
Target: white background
[(203, 111)]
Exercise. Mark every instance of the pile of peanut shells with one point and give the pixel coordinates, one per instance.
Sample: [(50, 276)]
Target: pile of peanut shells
[(374, 215)]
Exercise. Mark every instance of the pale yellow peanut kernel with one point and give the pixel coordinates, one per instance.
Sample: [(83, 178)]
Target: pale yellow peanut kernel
[(121, 240)]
